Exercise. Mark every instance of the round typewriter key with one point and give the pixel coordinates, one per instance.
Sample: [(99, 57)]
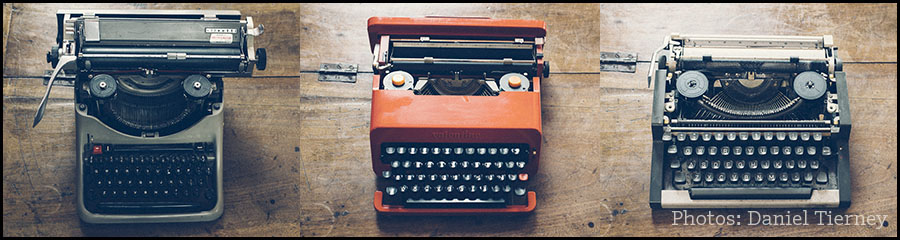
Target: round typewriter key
[(793, 136), (810, 85), (672, 149), (804, 136), (691, 84), (197, 86), (103, 86), (520, 191), (768, 136), (514, 82)]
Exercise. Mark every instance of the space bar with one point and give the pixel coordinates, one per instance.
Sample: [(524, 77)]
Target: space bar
[(464, 201), (751, 193), (145, 205)]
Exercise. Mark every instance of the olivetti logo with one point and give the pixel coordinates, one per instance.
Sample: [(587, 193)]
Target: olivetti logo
[(221, 30), (455, 135)]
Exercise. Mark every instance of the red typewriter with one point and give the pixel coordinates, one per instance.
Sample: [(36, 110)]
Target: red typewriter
[(456, 114)]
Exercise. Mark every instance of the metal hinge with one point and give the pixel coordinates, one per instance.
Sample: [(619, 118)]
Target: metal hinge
[(338, 72), (63, 79), (618, 62), (209, 17)]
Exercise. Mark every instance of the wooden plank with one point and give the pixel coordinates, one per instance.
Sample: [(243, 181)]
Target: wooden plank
[(300, 36), (7, 18)]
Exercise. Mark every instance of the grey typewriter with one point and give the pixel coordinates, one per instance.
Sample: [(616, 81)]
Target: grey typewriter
[(749, 122), (148, 108)]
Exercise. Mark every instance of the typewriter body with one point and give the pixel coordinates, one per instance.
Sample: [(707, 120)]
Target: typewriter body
[(149, 108), (749, 122), (456, 114)]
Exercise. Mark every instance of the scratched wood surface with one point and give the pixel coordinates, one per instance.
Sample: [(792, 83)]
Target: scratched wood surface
[(297, 156)]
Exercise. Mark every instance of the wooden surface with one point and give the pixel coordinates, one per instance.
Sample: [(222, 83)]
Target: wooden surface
[(297, 159)]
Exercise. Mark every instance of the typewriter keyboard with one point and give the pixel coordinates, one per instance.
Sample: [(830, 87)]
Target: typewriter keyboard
[(440, 175), (140, 179), (745, 165)]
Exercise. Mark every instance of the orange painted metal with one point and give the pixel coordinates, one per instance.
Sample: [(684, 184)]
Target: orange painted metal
[(402, 116)]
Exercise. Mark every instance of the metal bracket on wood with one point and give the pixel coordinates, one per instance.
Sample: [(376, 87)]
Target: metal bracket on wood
[(618, 62), (338, 72), (63, 79)]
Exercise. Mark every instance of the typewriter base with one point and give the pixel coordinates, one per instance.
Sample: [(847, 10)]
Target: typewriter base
[(682, 199), (391, 209), (206, 130)]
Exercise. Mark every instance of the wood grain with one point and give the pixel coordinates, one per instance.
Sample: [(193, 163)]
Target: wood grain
[(297, 159)]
